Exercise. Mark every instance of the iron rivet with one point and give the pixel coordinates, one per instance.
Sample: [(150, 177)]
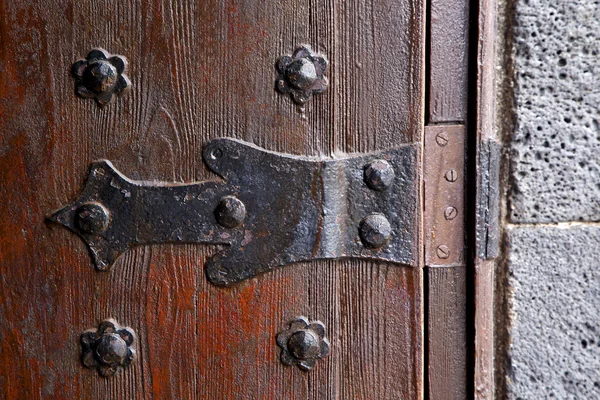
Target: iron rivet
[(302, 74), (230, 212), (100, 76), (443, 252), (375, 231), (450, 213), (378, 174), (451, 175), (107, 348), (92, 218), (303, 343), (442, 139)]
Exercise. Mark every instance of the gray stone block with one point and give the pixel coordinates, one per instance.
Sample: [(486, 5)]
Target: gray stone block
[(554, 276), (556, 145)]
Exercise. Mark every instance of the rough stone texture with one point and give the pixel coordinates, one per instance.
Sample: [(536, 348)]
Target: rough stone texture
[(556, 144), (554, 273)]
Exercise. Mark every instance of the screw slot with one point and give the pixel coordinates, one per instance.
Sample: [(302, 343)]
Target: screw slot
[(451, 175), (442, 252), (450, 213), (442, 139)]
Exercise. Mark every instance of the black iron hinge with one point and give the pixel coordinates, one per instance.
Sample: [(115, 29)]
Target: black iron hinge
[(269, 210)]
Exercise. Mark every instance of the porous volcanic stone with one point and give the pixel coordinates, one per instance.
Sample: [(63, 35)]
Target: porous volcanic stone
[(554, 277), (556, 145)]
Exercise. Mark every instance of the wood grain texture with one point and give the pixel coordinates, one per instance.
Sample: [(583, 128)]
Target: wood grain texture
[(199, 70), (448, 61), (447, 323), (485, 134), (484, 330)]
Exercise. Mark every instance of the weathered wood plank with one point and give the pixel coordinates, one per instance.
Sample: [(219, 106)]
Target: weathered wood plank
[(199, 70), (448, 61), (447, 325), (486, 136)]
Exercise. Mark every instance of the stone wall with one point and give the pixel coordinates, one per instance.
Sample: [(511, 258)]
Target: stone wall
[(551, 269)]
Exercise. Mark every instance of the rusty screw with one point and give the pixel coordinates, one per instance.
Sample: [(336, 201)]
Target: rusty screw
[(450, 213), (442, 252), (451, 175), (375, 231), (379, 174), (230, 212), (442, 139)]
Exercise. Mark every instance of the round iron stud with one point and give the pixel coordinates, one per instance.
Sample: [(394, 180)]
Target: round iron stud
[(379, 175), (92, 218), (230, 212), (112, 349), (304, 344), (100, 76), (375, 231), (301, 74)]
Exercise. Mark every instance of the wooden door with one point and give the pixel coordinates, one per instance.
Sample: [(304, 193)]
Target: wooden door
[(200, 70)]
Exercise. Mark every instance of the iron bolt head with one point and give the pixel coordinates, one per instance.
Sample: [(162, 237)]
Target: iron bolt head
[(442, 139), (304, 344), (301, 74), (451, 175), (112, 349), (442, 252), (107, 349), (379, 174), (450, 213), (375, 231), (92, 218), (230, 212), (100, 76)]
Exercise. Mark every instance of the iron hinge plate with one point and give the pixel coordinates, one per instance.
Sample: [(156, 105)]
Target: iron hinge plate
[(269, 210)]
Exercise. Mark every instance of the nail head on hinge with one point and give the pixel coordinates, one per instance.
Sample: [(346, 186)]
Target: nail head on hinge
[(92, 218), (375, 231), (379, 175), (230, 212)]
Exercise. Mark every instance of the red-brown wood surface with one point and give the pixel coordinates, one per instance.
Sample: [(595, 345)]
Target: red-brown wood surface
[(199, 69)]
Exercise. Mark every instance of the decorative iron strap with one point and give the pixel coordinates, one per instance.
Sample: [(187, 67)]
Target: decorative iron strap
[(270, 210)]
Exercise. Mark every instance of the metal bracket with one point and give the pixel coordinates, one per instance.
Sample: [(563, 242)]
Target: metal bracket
[(270, 210), (444, 176)]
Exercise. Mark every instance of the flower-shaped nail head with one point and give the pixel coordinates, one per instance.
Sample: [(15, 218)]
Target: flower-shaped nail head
[(303, 343), (108, 348), (302, 74), (100, 76)]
